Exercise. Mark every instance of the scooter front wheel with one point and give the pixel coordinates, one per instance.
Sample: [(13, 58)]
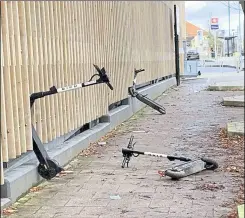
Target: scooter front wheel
[(161, 110), (151, 103), (132, 92)]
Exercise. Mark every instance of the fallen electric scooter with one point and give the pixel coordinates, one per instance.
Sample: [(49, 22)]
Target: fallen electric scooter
[(188, 168), (132, 91)]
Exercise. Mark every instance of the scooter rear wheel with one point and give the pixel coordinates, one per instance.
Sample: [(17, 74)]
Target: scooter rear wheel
[(210, 164), (49, 172), (175, 174)]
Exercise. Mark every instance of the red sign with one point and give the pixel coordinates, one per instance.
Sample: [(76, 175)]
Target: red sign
[(214, 21)]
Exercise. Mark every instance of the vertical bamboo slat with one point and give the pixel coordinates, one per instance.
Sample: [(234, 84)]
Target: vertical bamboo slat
[(49, 74), (63, 17), (83, 107), (30, 55), (88, 35), (68, 65), (1, 168), (3, 133), (74, 60), (4, 136), (71, 67), (18, 59), (85, 35), (36, 110), (45, 73), (59, 67), (24, 73), (30, 46), (43, 137), (56, 125)]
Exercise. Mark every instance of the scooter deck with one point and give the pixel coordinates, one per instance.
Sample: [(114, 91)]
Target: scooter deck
[(185, 169)]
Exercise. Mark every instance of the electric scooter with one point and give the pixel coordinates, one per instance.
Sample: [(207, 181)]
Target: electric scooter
[(48, 168), (186, 169), (132, 91)]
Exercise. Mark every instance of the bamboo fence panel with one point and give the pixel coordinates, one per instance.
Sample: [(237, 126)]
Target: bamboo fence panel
[(7, 81), (56, 43)]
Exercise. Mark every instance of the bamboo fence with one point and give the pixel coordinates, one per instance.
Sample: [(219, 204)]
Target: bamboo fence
[(46, 43)]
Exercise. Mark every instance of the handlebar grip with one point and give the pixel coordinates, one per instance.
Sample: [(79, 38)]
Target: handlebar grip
[(172, 158), (130, 151), (110, 86), (138, 71), (36, 95)]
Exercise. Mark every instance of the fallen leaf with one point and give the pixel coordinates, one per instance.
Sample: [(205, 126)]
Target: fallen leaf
[(35, 189), (8, 211), (66, 172), (211, 187)]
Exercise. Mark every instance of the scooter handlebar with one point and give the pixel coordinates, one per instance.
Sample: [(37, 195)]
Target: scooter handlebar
[(103, 76)]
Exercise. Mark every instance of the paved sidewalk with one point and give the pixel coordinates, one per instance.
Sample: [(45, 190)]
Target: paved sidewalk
[(190, 127)]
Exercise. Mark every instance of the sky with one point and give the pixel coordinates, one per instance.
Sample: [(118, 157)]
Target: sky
[(199, 13)]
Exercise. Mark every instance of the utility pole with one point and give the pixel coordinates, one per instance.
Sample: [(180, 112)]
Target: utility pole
[(209, 30), (240, 37), (215, 44), (229, 14)]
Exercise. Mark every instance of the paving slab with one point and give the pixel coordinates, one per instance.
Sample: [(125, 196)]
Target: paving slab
[(235, 101), (235, 129)]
